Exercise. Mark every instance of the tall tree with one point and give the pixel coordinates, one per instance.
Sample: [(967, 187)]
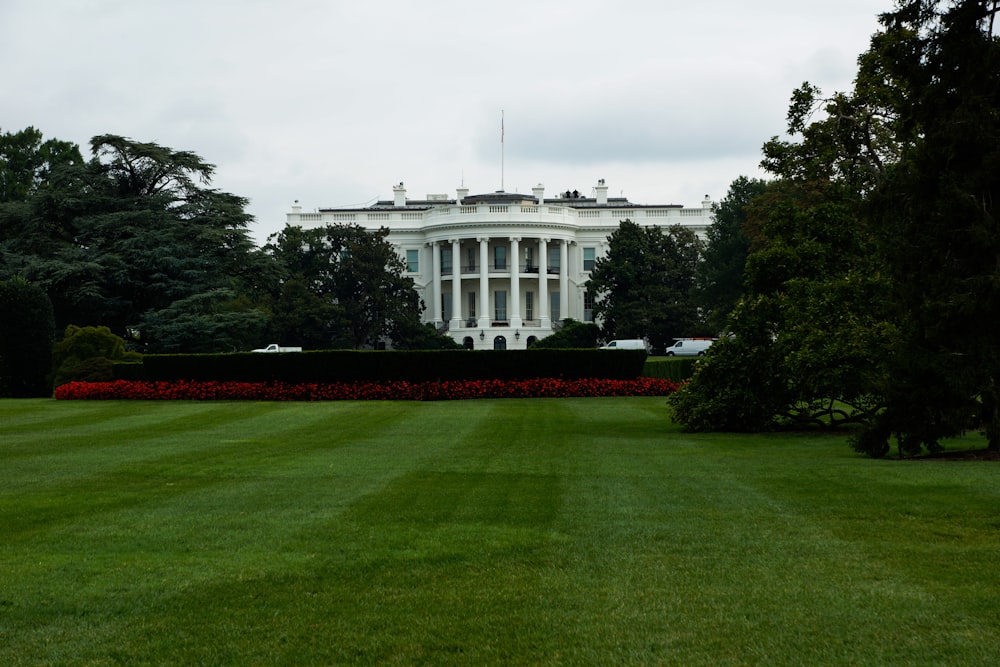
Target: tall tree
[(343, 287), (27, 162), (643, 287), (720, 272), (913, 152), (133, 240), (937, 219), (808, 334)]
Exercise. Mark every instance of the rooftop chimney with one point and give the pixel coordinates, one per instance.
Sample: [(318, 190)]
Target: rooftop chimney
[(602, 193), (539, 192), (463, 192), (706, 202), (399, 195)]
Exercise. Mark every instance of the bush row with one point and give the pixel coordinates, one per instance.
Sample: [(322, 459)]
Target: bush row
[(678, 369), (360, 391), (325, 366)]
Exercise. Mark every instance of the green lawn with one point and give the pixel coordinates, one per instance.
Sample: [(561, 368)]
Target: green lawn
[(570, 531)]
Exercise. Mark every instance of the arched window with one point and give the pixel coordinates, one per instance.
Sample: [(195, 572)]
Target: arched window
[(499, 343), (467, 342)]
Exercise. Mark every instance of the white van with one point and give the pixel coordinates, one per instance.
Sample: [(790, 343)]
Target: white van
[(627, 344), (689, 347)]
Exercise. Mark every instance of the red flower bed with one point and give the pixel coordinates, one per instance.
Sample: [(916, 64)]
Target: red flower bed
[(367, 391)]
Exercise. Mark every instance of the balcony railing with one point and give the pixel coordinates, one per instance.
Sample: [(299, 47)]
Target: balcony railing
[(472, 269)]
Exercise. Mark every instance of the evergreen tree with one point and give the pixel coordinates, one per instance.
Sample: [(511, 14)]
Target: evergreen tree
[(342, 287), (720, 272), (643, 287)]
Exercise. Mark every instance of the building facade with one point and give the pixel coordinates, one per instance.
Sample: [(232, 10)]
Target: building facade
[(499, 270)]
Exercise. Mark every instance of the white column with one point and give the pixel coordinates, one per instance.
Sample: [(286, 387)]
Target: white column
[(484, 282), (514, 315), (564, 280), (456, 284), (543, 283), (436, 281)]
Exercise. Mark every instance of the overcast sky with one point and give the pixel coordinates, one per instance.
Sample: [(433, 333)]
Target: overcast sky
[(332, 102)]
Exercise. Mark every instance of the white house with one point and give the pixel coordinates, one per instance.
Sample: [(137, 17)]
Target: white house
[(498, 270)]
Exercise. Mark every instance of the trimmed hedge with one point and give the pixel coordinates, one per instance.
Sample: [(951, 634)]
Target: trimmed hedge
[(395, 366), (677, 369)]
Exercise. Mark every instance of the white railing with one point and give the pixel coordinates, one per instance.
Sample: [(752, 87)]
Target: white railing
[(435, 213)]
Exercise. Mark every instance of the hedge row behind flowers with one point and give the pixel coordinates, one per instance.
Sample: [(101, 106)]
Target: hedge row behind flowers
[(361, 391)]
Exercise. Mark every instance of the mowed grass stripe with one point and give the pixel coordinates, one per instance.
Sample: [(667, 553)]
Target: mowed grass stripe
[(525, 532)]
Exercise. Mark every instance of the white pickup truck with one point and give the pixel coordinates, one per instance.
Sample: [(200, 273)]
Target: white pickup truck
[(274, 347)]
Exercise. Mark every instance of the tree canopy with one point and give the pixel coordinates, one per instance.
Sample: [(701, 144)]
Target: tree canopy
[(27, 163), (137, 240), (344, 287), (720, 271), (873, 273), (643, 287), (132, 240)]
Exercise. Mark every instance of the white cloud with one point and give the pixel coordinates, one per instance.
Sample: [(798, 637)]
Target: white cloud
[(330, 102)]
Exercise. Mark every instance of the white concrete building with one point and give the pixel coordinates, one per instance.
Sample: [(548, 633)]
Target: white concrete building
[(498, 270)]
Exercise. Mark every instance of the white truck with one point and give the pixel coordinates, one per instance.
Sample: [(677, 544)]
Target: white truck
[(627, 344), (274, 347), (689, 347)]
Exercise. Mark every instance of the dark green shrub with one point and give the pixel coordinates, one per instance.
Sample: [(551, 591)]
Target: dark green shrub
[(676, 369), (27, 327), (572, 335), (86, 354)]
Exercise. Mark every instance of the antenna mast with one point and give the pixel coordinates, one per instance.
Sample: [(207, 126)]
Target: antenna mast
[(501, 150)]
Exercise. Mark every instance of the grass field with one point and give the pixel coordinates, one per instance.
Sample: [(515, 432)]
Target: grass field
[(562, 531)]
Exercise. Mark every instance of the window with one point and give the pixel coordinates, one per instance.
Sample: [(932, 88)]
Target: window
[(554, 306), (412, 261), (554, 260), (588, 306), (446, 306), (445, 261), (589, 256), (500, 305), (529, 305), (472, 304), (500, 257), (470, 259), (529, 260)]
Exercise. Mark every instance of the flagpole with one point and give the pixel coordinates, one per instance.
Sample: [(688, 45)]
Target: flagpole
[(501, 150)]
